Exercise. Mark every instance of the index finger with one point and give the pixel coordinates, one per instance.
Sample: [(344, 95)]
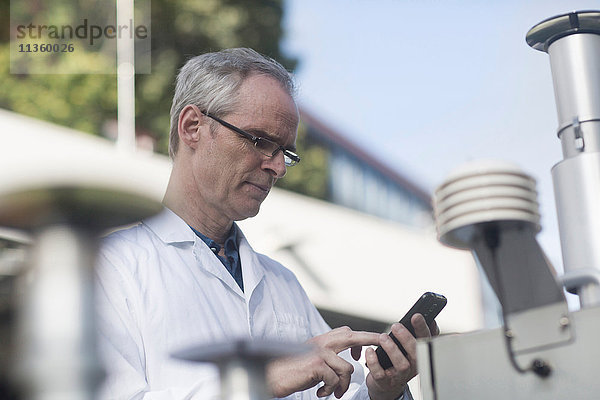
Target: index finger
[(344, 338)]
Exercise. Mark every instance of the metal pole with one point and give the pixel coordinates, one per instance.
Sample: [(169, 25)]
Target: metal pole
[(573, 43), (56, 325), (126, 76)]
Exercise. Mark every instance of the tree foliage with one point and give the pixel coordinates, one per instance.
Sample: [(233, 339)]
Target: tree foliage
[(180, 29), (310, 177)]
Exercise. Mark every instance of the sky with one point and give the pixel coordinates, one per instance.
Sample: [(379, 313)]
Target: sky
[(427, 85)]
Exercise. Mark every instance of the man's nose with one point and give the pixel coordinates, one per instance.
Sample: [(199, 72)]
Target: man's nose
[(276, 165)]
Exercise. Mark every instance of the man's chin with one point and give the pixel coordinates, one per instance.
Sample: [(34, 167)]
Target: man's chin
[(248, 213)]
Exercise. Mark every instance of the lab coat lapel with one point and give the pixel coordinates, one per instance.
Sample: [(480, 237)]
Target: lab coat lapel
[(252, 270), (170, 228), (207, 260)]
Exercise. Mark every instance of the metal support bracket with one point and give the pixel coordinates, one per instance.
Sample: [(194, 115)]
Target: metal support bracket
[(540, 328), (579, 142), (578, 278)]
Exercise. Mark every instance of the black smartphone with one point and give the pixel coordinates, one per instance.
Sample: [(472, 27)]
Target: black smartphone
[(429, 305)]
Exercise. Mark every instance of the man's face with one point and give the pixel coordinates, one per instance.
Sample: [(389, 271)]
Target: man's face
[(231, 176)]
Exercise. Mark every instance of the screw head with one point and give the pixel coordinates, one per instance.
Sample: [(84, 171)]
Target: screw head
[(564, 322)]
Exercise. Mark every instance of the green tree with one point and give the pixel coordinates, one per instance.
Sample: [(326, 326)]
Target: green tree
[(310, 177), (180, 29)]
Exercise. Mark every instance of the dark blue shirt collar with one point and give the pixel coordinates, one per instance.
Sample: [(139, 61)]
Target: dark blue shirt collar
[(231, 261)]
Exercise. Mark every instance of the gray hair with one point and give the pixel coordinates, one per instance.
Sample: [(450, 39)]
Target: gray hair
[(211, 82)]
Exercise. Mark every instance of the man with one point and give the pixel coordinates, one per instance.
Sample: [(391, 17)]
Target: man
[(188, 276)]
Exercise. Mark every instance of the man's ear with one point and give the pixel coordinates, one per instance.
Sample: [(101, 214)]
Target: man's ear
[(191, 120)]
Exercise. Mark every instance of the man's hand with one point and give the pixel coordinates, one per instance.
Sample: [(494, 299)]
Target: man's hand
[(389, 384), (293, 374)]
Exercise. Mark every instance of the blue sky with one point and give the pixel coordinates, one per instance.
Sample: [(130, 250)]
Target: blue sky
[(429, 85)]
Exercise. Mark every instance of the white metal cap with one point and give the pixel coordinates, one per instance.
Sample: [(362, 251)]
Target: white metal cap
[(483, 191), (50, 174)]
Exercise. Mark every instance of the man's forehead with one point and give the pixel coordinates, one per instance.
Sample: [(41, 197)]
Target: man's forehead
[(259, 83), (265, 95)]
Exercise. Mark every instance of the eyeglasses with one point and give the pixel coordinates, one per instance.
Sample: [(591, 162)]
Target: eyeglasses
[(264, 146)]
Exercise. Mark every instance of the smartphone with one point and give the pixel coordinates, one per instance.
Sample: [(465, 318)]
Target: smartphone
[(429, 305)]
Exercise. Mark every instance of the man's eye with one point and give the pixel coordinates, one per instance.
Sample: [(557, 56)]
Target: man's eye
[(263, 144)]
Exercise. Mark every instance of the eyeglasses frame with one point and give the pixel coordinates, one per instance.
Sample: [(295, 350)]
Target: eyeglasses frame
[(255, 139)]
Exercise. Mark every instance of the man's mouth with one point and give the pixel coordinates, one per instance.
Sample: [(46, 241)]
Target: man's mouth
[(264, 188)]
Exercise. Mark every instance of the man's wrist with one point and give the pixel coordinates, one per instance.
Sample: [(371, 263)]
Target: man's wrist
[(400, 397)]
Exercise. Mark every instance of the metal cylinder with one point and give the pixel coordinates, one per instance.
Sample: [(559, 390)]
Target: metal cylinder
[(575, 63), (573, 43), (56, 326), (243, 380), (13, 254), (577, 194)]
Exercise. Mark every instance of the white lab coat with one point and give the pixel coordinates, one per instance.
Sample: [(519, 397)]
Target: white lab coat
[(160, 289)]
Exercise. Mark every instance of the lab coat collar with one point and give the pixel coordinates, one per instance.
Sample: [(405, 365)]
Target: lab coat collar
[(170, 228)]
